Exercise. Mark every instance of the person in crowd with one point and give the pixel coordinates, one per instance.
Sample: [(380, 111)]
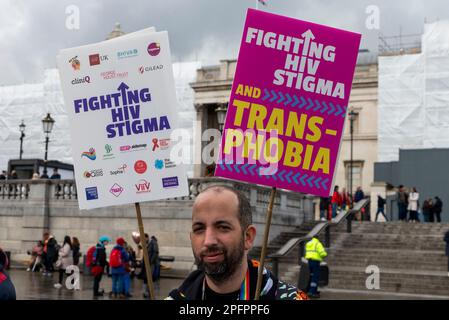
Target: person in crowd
[(427, 210), (50, 254), (65, 260), (413, 205), (97, 261), (359, 195), (315, 253), (14, 175), (7, 289), (117, 261), (76, 247), (381, 207), (222, 234), (126, 286), (3, 175), (153, 254), (345, 200), (55, 175), (36, 253), (438, 208), (336, 202), (35, 176), (324, 208), (402, 200)]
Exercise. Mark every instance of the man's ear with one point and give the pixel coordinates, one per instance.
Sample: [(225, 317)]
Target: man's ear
[(250, 236)]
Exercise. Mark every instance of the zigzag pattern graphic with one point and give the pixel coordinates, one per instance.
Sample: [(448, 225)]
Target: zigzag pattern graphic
[(295, 102), (272, 173)]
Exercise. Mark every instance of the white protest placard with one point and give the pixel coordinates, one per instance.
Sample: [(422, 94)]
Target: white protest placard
[(121, 103)]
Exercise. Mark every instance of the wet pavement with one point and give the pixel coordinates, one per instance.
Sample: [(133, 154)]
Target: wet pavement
[(36, 286)]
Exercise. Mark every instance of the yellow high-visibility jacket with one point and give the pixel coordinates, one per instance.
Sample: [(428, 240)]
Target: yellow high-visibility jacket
[(315, 250)]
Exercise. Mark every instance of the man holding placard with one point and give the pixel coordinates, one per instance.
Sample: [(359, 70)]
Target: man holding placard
[(222, 234)]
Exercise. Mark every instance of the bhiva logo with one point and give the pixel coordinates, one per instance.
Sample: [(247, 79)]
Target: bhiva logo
[(109, 154), (90, 154)]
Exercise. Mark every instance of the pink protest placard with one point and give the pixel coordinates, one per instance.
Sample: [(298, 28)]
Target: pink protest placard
[(288, 104)]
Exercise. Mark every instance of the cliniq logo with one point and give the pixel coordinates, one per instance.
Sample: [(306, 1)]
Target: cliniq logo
[(142, 186), (86, 79)]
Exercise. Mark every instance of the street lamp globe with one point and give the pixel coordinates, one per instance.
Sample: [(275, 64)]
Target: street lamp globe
[(47, 124), (22, 127), (221, 116)]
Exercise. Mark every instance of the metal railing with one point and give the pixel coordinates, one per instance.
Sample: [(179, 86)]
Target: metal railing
[(315, 232)]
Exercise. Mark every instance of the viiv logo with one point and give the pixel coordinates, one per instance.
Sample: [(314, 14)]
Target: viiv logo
[(116, 190), (142, 186), (76, 65), (90, 154)]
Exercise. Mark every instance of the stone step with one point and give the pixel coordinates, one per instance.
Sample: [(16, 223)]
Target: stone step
[(398, 280)]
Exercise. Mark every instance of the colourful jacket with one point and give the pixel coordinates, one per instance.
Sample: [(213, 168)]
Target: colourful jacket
[(272, 288), (125, 259)]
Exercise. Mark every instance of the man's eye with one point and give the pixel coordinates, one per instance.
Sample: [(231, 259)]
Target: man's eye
[(197, 230), (224, 228)]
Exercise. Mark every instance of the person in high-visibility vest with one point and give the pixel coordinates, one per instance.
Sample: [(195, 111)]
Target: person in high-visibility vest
[(314, 254)]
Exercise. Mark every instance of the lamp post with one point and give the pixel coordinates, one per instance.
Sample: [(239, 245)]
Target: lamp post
[(47, 124), (221, 116), (352, 117), (22, 135)]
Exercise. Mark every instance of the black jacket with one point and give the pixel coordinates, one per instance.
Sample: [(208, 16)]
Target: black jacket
[(438, 206), (324, 203), (100, 255), (272, 288)]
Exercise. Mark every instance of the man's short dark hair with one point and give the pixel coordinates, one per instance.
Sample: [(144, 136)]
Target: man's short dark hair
[(244, 207)]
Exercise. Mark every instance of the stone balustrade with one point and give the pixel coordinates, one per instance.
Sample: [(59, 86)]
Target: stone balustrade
[(30, 207)]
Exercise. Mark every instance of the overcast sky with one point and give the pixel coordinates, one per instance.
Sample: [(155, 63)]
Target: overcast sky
[(32, 32)]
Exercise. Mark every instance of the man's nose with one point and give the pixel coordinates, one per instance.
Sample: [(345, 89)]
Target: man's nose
[(210, 237)]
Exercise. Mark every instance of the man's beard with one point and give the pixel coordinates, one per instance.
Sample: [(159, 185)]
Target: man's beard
[(221, 271)]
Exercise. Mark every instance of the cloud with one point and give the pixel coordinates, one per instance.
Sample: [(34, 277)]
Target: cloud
[(32, 32)]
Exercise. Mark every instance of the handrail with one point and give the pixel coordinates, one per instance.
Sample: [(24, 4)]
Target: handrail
[(291, 244), (316, 231)]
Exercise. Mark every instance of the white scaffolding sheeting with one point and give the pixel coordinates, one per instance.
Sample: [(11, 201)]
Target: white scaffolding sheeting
[(31, 102), (413, 111)]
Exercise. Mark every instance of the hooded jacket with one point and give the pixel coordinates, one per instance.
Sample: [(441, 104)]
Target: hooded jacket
[(272, 288)]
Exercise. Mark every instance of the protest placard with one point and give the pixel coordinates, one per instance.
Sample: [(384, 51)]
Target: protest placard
[(121, 103), (288, 104)]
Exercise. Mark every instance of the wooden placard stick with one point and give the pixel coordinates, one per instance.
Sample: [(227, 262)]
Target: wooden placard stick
[(265, 243), (146, 258)]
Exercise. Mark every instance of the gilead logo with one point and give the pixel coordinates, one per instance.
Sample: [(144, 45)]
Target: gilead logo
[(142, 186)]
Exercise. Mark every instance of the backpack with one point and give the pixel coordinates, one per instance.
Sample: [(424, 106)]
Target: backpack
[(115, 259), (90, 260)]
